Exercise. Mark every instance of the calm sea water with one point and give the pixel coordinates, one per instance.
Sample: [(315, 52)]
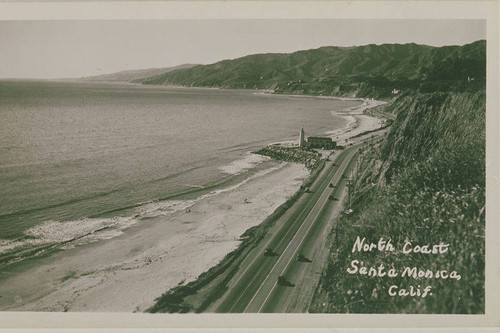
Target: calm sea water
[(81, 157)]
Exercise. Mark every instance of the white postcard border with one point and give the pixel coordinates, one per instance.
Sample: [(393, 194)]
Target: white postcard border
[(129, 10)]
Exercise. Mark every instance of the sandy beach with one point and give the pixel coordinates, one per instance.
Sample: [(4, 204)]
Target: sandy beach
[(357, 121), (128, 273)]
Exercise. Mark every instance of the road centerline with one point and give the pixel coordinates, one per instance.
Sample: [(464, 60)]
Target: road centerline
[(300, 243), (342, 166)]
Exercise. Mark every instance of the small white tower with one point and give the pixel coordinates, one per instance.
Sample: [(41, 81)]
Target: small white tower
[(302, 140)]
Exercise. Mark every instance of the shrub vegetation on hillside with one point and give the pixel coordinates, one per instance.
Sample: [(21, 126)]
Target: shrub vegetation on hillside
[(425, 185)]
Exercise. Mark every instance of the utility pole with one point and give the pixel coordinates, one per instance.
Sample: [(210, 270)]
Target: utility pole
[(356, 167), (349, 193)]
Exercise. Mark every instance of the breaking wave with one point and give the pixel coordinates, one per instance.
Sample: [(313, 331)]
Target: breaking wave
[(68, 234), (247, 162)]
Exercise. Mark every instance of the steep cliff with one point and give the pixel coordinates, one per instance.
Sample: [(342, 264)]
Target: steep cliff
[(425, 184)]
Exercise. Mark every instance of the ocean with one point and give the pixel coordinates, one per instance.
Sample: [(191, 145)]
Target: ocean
[(82, 161)]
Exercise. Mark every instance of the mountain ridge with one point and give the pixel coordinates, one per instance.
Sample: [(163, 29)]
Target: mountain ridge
[(355, 71), (133, 74)]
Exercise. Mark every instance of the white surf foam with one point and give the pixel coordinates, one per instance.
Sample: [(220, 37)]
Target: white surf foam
[(247, 162), (7, 245), (87, 230)]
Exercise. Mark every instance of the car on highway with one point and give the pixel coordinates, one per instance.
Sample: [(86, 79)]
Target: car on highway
[(282, 281), (270, 253), (332, 197), (303, 258)]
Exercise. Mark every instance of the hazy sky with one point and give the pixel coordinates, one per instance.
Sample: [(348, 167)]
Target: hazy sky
[(56, 49)]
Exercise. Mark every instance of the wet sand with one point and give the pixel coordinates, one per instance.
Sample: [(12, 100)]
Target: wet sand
[(127, 273)]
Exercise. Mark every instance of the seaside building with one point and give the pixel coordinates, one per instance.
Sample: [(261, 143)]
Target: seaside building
[(321, 142), (302, 140), (316, 141)]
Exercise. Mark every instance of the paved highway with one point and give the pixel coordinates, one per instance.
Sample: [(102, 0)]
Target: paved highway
[(254, 288)]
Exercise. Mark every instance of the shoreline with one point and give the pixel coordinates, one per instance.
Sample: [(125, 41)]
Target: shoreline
[(152, 256), (92, 277), (358, 122)]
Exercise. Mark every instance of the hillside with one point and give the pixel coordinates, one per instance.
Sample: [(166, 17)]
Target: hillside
[(130, 75), (362, 71), (425, 184)]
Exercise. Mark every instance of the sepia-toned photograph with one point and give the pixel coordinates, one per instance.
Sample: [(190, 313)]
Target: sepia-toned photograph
[(321, 166)]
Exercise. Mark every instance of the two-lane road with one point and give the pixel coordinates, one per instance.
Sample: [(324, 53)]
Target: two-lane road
[(254, 287)]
